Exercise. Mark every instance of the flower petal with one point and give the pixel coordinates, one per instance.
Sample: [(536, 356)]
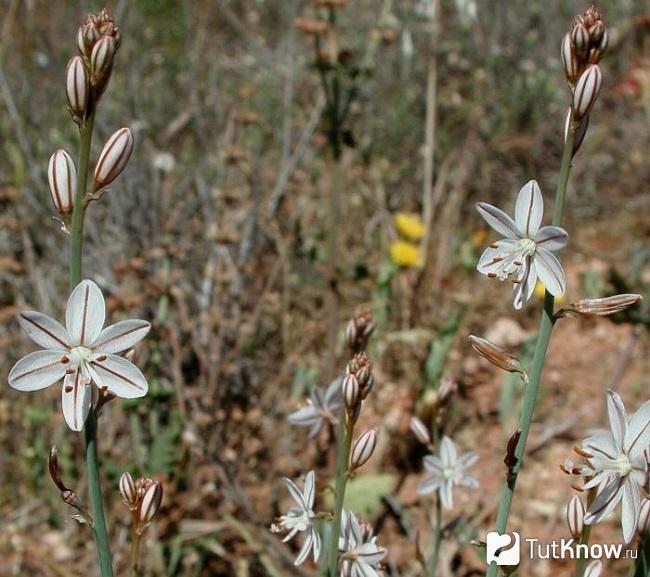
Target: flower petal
[(468, 459), (617, 418), (447, 452), (552, 237), (38, 370), (429, 484), (525, 287), (304, 550), (121, 377), (121, 336), (44, 330), (637, 437), (498, 220), (76, 398), (85, 314), (529, 209), (491, 260), (550, 272), (631, 503), (605, 501), (432, 464), (447, 494), (309, 490), (296, 494)]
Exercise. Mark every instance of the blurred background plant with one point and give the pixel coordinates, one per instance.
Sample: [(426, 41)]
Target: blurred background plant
[(221, 222)]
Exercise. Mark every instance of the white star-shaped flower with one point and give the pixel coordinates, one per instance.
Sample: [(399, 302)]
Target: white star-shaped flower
[(79, 353), (323, 406), (360, 554), (617, 464), (301, 518), (446, 471), (525, 252)]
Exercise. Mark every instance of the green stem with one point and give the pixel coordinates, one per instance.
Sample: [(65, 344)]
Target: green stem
[(543, 339), (346, 426), (90, 429), (437, 540), (135, 554), (580, 563)]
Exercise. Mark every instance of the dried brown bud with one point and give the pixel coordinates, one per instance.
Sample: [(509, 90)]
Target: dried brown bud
[(114, 157), (420, 430), (575, 514), (128, 490), (363, 449), (605, 306), (62, 176), (55, 471), (76, 86), (587, 91), (496, 355)]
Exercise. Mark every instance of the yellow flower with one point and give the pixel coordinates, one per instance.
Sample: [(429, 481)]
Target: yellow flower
[(409, 225), (540, 291), (405, 253)]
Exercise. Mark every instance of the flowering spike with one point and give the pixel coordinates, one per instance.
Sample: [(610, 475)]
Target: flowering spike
[(587, 90), (575, 515), (114, 157), (363, 449), (76, 86), (62, 176)]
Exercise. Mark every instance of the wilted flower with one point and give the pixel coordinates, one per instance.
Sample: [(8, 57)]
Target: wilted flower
[(406, 254), (605, 306), (525, 252), (323, 406), (496, 355), (616, 464), (446, 471), (410, 226), (79, 353), (301, 518), (360, 553)]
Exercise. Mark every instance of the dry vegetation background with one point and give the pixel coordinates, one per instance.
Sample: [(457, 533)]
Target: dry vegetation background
[(217, 234)]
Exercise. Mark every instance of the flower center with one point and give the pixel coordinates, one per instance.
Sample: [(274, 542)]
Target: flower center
[(527, 246), (80, 355), (448, 473), (621, 465)]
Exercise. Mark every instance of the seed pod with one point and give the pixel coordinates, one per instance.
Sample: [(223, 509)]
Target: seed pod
[(62, 175), (150, 503), (644, 518), (607, 305), (594, 569), (114, 157), (569, 59), (575, 515), (76, 85), (101, 58), (350, 387), (580, 38), (363, 449), (496, 355), (128, 491), (419, 429), (587, 90)]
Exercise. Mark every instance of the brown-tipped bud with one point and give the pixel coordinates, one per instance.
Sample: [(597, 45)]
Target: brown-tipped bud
[(62, 176), (420, 430), (644, 518), (580, 38), (575, 517), (114, 157), (363, 449), (76, 85), (496, 355), (587, 91), (55, 471), (101, 59), (569, 59), (350, 387), (128, 491), (150, 503), (607, 305), (596, 52)]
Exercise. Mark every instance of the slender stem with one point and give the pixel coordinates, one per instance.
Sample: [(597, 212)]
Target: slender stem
[(580, 562), (543, 339), (90, 429), (437, 540), (135, 554), (346, 426)]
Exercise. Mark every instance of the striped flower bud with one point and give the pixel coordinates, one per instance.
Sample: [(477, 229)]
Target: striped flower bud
[(62, 176), (101, 58), (580, 38), (575, 515), (150, 503), (128, 491), (76, 85), (587, 90), (350, 388), (114, 157), (644, 518), (596, 52), (607, 305), (495, 355), (420, 430), (569, 59), (363, 449), (596, 31), (87, 36), (594, 569)]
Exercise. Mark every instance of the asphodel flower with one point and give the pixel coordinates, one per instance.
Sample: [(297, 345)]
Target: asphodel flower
[(323, 407), (526, 251), (360, 555), (79, 353)]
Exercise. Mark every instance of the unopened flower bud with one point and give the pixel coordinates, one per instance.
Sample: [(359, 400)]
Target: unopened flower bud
[(114, 157), (350, 387), (150, 503), (363, 449), (587, 90), (76, 85), (363, 375), (596, 52), (420, 430), (496, 355), (644, 518), (367, 388), (596, 31), (594, 569), (569, 59), (62, 176), (580, 38), (128, 491), (351, 334), (87, 36), (607, 305), (575, 515), (101, 58)]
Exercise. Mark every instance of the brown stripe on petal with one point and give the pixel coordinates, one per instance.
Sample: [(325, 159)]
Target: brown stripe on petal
[(35, 370), (117, 337), (48, 333), (84, 316), (118, 375)]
